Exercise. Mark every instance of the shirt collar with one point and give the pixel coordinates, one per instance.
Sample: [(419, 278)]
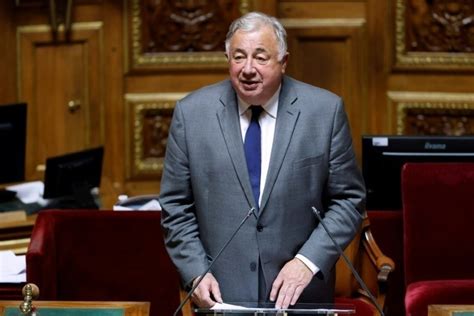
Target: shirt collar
[(271, 107)]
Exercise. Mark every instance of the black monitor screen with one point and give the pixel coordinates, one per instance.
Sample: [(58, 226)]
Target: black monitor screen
[(74, 174), (384, 156), (12, 142)]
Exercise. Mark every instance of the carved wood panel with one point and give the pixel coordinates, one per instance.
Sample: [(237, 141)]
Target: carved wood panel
[(440, 26), (179, 34), (148, 121), (435, 34), (424, 113), (186, 26), (427, 121)]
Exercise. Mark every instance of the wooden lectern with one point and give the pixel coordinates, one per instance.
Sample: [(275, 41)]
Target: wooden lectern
[(78, 308)]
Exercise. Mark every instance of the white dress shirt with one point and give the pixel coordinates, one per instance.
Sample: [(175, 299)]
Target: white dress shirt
[(267, 123)]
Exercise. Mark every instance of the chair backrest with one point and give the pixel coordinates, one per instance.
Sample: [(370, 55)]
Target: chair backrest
[(102, 256), (438, 220)]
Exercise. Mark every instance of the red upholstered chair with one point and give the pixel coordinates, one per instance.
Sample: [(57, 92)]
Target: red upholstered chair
[(102, 256), (438, 215)]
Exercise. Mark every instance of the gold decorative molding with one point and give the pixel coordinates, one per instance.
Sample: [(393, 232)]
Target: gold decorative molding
[(42, 28), (310, 23), (148, 120), (405, 59), (137, 60), (434, 113)]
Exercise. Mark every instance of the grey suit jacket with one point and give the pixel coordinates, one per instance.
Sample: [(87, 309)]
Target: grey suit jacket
[(206, 191)]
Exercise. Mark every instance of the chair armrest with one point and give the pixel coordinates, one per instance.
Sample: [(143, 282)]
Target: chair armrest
[(187, 309), (375, 266), (41, 258), (384, 264)]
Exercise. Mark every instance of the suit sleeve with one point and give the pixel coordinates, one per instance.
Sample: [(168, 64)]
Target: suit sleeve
[(343, 200), (180, 228)]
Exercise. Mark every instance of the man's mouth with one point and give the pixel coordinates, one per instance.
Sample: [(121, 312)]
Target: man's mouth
[(249, 84)]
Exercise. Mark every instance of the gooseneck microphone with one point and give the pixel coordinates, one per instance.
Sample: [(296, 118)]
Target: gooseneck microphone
[(349, 264), (250, 212)]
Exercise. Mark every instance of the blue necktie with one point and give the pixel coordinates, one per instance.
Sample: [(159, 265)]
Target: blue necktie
[(253, 151)]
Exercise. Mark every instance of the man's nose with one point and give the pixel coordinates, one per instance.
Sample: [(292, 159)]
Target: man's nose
[(249, 66)]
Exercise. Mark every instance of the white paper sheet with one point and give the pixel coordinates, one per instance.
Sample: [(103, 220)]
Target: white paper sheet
[(28, 192), (225, 306), (12, 267)]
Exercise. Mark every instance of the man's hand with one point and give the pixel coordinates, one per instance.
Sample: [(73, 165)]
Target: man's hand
[(290, 283), (207, 294)]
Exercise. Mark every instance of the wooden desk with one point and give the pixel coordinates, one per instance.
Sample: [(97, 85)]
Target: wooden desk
[(15, 235), (79, 308), (451, 310)]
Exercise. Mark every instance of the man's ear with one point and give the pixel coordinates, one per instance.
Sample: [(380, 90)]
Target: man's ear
[(284, 62)]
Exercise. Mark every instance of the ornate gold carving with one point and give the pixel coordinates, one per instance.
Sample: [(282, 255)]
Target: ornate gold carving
[(180, 34), (436, 34), (311, 23), (440, 26), (424, 113), (150, 120)]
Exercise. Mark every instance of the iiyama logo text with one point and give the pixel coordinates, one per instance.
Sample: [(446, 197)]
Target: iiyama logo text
[(429, 145)]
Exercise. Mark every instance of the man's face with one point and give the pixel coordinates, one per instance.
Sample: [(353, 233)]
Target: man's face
[(255, 70)]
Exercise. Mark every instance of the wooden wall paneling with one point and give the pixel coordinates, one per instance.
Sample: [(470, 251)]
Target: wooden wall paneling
[(331, 53), (322, 9), (268, 6), (8, 51), (113, 174), (52, 75), (380, 61), (173, 82), (431, 81), (432, 54)]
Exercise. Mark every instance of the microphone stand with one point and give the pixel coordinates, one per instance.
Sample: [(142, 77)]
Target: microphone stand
[(343, 255), (250, 212)]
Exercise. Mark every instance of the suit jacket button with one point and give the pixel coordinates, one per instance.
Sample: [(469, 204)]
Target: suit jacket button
[(253, 266), (259, 228)]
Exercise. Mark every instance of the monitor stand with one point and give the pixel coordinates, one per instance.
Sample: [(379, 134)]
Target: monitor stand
[(82, 198), (7, 195)]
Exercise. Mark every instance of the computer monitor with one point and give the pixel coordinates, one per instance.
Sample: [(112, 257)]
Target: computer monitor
[(384, 156), (12, 142), (70, 178)]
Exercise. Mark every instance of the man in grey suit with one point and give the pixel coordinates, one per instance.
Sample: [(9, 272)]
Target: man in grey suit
[(304, 158)]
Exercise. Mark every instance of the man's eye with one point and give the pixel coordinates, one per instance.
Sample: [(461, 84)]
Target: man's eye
[(239, 58), (261, 59)]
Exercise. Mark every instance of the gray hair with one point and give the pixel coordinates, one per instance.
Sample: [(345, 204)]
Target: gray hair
[(251, 22)]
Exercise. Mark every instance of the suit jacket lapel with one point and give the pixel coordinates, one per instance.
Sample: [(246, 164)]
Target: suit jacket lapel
[(285, 125), (228, 117)]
